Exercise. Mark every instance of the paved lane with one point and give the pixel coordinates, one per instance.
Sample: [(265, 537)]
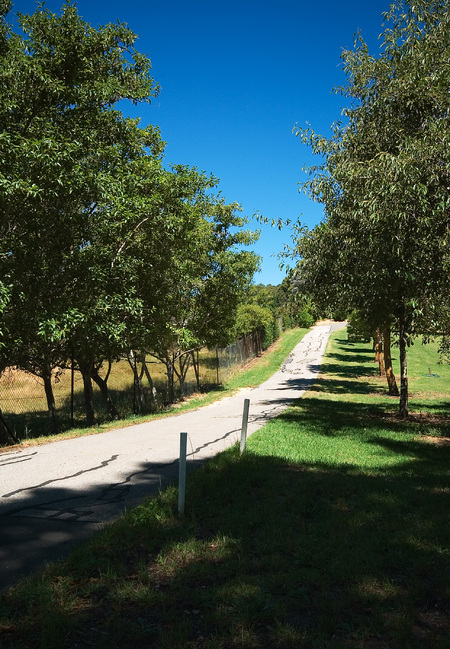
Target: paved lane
[(55, 495)]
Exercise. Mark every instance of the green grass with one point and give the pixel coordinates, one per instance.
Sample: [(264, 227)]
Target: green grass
[(330, 532)]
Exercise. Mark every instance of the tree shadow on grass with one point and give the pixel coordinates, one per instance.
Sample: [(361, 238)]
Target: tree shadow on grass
[(354, 352), (353, 356), (331, 416), (349, 371), (442, 407), (430, 452), (346, 386), (346, 552), (352, 361), (328, 417)]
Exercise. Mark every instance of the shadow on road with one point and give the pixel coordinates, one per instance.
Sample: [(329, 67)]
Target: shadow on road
[(44, 524)]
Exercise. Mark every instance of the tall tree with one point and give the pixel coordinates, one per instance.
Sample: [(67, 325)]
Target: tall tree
[(63, 144), (384, 182), (205, 282)]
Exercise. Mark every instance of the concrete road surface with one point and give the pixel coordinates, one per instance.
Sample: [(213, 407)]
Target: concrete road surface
[(55, 495)]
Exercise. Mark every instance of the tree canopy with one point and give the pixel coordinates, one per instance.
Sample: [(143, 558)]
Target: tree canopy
[(103, 249), (383, 246)]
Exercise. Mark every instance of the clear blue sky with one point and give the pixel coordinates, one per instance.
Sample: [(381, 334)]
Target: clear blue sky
[(235, 77)]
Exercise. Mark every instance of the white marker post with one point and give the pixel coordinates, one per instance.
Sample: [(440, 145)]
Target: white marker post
[(244, 424), (182, 474)]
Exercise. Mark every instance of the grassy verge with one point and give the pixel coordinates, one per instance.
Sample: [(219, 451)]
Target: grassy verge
[(330, 532), (254, 373)]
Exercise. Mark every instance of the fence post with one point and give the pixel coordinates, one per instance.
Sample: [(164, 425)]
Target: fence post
[(182, 474), (244, 424)]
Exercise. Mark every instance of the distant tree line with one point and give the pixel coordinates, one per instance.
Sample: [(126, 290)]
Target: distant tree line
[(266, 309)]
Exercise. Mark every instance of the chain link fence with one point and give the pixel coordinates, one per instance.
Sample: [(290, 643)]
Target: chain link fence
[(234, 356), (24, 406)]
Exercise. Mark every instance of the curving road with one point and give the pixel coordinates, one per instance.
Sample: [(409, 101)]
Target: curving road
[(55, 495)]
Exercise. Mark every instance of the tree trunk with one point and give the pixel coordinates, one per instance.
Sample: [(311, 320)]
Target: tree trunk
[(379, 350), (403, 405), (153, 404), (168, 362), (217, 366), (7, 437), (390, 376), (47, 378), (102, 384), (196, 366), (184, 361), (257, 342), (86, 369), (138, 401)]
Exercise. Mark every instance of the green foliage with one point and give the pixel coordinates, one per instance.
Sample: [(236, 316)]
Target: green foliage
[(281, 307), (266, 296), (271, 334), (295, 307), (126, 254), (305, 318), (64, 147), (252, 317), (383, 248), (258, 314), (383, 185), (358, 330)]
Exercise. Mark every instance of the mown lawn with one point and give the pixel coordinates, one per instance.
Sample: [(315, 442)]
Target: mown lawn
[(331, 531)]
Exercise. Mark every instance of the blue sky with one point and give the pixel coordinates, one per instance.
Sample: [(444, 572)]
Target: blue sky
[(235, 78)]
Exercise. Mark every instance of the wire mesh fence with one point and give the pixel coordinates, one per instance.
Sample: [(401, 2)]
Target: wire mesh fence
[(24, 405), (234, 356)]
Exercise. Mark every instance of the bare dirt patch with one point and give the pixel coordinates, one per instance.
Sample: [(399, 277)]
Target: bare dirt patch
[(424, 418), (441, 441), (417, 417)]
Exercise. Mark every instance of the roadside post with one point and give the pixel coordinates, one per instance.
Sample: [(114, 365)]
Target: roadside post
[(244, 424), (182, 474)]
